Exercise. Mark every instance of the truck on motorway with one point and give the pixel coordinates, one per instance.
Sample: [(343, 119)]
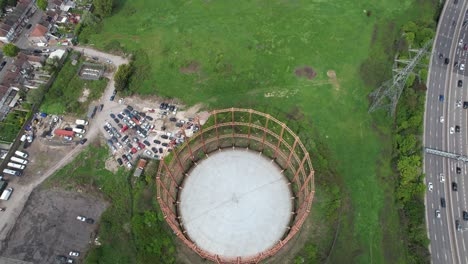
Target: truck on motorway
[(21, 154), (81, 122), (79, 130), (20, 161), (16, 166), (12, 172)]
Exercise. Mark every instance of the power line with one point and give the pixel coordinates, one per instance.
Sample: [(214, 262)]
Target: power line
[(388, 94)]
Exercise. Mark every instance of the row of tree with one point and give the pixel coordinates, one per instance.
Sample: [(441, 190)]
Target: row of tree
[(407, 147)]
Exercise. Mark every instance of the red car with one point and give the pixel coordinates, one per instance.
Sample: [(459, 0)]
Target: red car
[(141, 145), (124, 128), (134, 150), (465, 47)]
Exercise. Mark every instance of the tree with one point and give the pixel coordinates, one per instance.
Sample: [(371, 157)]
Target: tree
[(10, 50), (42, 4), (103, 8), (122, 77), (34, 96)]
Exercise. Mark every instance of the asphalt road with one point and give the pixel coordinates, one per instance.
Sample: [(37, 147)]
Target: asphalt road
[(447, 244)]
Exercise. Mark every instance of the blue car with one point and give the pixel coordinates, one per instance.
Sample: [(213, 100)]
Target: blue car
[(112, 97), (112, 115), (120, 116), (441, 98)]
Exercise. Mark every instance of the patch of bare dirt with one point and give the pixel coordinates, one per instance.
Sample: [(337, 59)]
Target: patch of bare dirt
[(112, 165), (332, 79), (305, 71), (295, 114), (192, 67), (84, 96)]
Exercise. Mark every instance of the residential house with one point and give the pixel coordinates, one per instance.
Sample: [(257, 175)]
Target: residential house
[(39, 34), (36, 61), (13, 23), (67, 5)]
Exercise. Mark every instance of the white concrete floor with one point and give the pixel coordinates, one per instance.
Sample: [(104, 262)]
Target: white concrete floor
[(235, 203)]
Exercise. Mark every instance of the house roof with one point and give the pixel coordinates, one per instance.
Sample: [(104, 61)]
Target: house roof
[(39, 31)]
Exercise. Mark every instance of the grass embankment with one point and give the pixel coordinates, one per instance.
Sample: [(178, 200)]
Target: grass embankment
[(131, 229), (249, 53), (67, 88)]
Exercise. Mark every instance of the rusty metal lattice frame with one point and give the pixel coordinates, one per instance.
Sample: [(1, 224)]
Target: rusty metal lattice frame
[(292, 158)]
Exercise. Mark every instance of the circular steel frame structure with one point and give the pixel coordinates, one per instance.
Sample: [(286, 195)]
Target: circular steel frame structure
[(237, 128)]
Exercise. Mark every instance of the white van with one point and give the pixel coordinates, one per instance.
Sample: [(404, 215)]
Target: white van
[(16, 166), (79, 130), (81, 122), (18, 160), (6, 194), (21, 154)]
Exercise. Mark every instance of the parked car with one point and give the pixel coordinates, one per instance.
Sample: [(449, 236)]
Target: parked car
[(81, 218), (156, 141), (160, 150), (130, 108), (119, 161), (116, 120), (101, 107), (173, 119), (146, 143), (149, 118), (74, 253), (154, 149), (124, 157), (164, 136), (112, 98), (28, 26), (112, 115), (120, 116), (2, 65), (164, 144), (83, 140)]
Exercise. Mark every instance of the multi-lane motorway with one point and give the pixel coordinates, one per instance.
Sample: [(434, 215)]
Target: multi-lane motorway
[(444, 112)]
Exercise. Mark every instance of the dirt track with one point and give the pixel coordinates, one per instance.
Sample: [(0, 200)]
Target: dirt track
[(22, 192)]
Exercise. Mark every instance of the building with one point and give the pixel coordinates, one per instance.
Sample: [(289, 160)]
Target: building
[(67, 5), (39, 35), (57, 54), (64, 133), (14, 22), (139, 169)]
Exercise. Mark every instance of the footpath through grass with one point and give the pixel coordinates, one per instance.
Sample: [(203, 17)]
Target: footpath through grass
[(250, 53)]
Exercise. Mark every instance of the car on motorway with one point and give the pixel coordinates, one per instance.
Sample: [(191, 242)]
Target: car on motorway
[(437, 213), (459, 103), (465, 47), (441, 97), (458, 170), (460, 83), (441, 119), (455, 64), (452, 130), (447, 61), (454, 186), (458, 225), (442, 177), (462, 67), (430, 186), (465, 215), (442, 202), (457, 129), (465, 105)]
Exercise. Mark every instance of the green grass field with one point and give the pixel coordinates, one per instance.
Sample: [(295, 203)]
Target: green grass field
[(246, 53)]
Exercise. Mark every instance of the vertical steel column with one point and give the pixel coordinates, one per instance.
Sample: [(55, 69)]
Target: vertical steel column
[(292, 151), (301, 167), (250, 124), (187, 141), (216, 126), (279, 141), (232, 126), (201, 135), (182, 170), (170, 173), (265, 128)]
